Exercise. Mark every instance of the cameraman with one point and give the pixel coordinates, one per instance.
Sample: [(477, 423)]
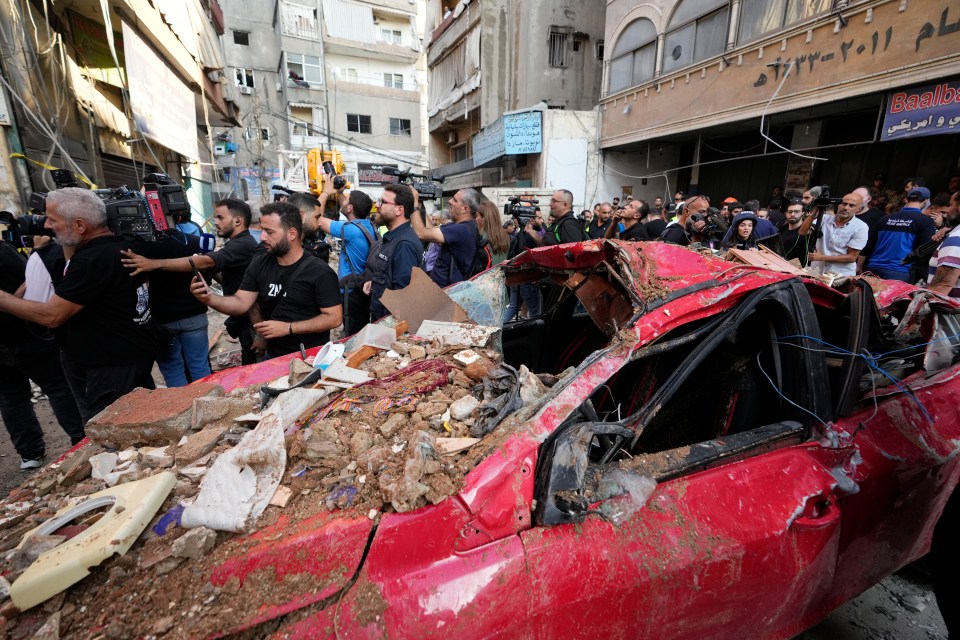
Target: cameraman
[(690, 224), (110, 337)]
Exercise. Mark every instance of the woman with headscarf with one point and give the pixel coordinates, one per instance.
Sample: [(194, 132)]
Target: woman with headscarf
[(744, 227)]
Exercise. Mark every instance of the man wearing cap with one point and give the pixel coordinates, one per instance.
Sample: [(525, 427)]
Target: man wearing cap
[(896, 236)]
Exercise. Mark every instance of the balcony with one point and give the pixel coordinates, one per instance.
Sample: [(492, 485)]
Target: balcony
[(451, 31), (303, 141)]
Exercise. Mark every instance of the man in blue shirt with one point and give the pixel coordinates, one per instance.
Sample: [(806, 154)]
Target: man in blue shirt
[(357, 235), (392, 260), (896, 236), (458, 241)]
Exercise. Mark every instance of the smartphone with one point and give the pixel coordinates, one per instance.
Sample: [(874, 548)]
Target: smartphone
[(197, 274)]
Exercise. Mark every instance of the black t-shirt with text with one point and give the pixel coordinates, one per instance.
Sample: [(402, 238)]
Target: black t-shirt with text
[(114, 327), (170, 297), (292, 293)]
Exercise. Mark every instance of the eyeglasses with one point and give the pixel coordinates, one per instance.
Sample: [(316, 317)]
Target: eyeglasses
[(381, 202)]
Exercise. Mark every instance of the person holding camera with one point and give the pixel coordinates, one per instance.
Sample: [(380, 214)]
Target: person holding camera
[(232, 220), (842, 237), (458, 241), (564, 227), (297, 293), (110, 339), (691, 223), (358, 236)]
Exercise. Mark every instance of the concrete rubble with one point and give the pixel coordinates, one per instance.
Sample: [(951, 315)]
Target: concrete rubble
[(375, 447)]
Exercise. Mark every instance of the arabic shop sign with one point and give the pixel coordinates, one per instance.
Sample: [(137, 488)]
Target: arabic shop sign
[(512, 134), (923, 111)]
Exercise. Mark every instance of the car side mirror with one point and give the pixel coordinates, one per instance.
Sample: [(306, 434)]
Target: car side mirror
[(562, 468)]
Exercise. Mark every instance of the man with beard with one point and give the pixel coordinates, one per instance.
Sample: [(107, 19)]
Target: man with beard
[(232, 220), (108, 338), (945, 263), (795, 232), (298, 294), (599, 225), (391, 261), (311, 210)]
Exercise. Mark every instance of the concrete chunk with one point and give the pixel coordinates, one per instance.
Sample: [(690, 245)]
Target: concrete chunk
[(148, 417)]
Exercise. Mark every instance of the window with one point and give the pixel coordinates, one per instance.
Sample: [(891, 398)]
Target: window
[(758, 17), (244, 78), (250, 133), (303, 70), (299, 21), (358, 123), (600, 50), (634, 55), (557, 48), (459, 153), (348, 75), (393, 80), (242, 38), (399, 127), (697, 31), (393, 36), (303, 119)]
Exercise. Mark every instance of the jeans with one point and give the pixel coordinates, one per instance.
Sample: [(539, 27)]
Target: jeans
[(186, 352), (38, 361), (529, 293), (97, 387), (890, 274)]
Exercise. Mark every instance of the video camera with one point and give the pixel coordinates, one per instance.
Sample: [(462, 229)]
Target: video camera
[(144, 215), (427, 186), (824, 200), (523, 209), (716, 227)]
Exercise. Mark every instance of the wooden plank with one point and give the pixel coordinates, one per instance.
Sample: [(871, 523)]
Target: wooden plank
[(364, 353)]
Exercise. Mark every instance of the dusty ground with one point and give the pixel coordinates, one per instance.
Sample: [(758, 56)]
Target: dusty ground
[(888, 611)]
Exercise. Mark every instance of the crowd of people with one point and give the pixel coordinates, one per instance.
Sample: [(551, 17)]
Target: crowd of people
[(86, 317)]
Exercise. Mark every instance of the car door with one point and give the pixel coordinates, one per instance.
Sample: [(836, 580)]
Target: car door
[(742, 534), (906, 435)]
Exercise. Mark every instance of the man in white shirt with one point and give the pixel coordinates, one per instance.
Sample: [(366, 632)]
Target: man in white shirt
[(842, 238)]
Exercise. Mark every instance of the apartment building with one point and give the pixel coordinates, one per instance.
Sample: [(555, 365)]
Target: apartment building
[(509, 79), (110, 99), (709, 95), (331, 74)]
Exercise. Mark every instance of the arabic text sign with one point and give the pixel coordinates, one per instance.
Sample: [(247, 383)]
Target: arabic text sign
[(511, 135), (489, 144), (523, 132), (923, 111)]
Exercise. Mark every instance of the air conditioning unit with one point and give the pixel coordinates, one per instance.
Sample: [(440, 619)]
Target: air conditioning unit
[(451, 137), (246, 90)]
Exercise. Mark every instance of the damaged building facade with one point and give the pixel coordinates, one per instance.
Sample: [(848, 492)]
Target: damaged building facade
[(858, 87), (513, 86), (324, 74), (114, 102)]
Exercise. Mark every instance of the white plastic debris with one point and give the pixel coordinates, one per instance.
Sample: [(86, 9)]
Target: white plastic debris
[(240, 484), (288, 407), (637, 490)]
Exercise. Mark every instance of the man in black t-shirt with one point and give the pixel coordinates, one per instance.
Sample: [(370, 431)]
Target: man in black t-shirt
[(28, 352), (232, 219), (795, 232), (565, 228), (631, 216), (110, 338), (298, 294)]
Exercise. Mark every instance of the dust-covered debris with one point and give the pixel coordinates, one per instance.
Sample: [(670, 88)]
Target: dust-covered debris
[(395, 443)]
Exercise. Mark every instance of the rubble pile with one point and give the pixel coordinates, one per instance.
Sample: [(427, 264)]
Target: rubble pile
[(393, 443)]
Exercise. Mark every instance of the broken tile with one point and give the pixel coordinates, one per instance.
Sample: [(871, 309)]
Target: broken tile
[(194, 543), (198, 444), (281, 496)]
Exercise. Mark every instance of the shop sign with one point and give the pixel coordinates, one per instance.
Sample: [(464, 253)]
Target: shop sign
[(923, 111), (372, 174)]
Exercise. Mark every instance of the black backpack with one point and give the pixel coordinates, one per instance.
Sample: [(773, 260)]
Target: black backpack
[(482, 260)]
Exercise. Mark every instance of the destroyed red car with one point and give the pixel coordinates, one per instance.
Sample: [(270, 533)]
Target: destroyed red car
[(802, 438), (727, 451)]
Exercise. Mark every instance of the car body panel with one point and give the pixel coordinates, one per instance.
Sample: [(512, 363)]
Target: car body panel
[(764, 545)]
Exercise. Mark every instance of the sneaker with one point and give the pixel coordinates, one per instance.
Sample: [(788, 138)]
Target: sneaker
[(30, 464)]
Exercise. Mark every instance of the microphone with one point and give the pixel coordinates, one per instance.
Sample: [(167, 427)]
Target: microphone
[(207, 242)]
